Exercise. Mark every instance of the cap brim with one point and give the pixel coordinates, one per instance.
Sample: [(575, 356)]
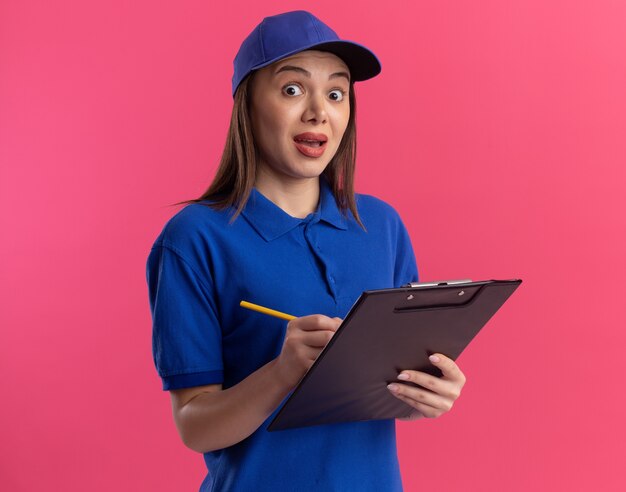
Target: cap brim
[(363, 64)]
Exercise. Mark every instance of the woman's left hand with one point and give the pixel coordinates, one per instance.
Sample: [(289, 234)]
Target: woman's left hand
[(435, 396)]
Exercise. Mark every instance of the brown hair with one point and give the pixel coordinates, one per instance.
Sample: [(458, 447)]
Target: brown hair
[(236, 173)]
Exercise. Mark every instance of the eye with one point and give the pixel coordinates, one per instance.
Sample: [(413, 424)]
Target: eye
[(292, 90), (336, 94)]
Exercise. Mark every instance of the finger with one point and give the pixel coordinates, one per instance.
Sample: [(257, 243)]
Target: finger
[(414, 416), (426, 410), (443, 387), (317, 339), (448, 367), (418, 395), (315, 322)]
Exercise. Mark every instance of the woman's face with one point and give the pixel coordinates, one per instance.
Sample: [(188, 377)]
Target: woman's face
[(299, 110)]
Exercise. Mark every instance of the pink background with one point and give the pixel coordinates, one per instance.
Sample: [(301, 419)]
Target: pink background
[(497, 129)]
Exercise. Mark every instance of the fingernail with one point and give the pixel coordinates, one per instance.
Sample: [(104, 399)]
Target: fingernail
[(434, 358), (393, 387), (403, 376)]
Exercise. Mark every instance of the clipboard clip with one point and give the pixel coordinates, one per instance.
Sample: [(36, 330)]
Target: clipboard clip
[(436, 283)]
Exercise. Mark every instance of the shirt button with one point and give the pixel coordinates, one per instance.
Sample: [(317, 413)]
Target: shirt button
[(332, 279)]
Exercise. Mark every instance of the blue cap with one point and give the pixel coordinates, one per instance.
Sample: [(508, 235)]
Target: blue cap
[(282, 35)]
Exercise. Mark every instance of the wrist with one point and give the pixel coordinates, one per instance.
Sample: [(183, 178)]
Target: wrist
[(281, 376)]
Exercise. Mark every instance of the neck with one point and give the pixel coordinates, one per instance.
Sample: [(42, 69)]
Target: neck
[(296, 196)]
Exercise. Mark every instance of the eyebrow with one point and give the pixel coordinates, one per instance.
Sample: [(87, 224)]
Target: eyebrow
[(306, 73)]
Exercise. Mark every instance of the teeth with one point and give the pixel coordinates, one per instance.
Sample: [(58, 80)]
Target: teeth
[(314, 143)]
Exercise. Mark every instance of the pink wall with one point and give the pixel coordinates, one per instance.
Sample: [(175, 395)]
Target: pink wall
[(497, 129)]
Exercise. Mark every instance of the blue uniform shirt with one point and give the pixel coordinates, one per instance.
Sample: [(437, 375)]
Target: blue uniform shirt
[(199, 269)]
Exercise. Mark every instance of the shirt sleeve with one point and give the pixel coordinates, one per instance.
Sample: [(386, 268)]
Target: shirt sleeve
[(186, 335), (405, 268)]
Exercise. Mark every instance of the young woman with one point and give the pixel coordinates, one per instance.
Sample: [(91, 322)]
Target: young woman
[(282, 227)]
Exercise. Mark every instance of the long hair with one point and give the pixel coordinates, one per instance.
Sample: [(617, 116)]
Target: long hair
[(236, 173)]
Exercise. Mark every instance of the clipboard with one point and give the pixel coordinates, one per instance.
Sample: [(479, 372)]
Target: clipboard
[(385, 332)]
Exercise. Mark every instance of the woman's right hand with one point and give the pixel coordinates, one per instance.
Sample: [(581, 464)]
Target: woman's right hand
[(210, 417), (304, 340)]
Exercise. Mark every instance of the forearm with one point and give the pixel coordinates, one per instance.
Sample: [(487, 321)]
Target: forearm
[(218, 419)]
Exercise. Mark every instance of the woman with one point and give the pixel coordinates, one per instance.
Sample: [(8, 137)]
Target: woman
[(281, 226)]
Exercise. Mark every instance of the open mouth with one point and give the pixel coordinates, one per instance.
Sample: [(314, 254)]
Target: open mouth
[(311, 144), (311, 139)]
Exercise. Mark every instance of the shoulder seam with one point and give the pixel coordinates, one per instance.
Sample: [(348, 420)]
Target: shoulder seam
[(180, 255)]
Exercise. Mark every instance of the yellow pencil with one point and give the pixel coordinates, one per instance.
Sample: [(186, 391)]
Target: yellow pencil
[(264, 310)]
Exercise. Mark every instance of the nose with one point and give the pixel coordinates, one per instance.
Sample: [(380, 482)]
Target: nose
[(315, 111)]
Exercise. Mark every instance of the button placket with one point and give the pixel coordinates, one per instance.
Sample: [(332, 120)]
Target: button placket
[(317, 250)]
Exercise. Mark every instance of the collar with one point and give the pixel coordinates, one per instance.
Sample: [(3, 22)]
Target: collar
[(271, 221)]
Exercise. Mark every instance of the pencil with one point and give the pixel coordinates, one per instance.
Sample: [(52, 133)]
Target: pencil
[(264, 310)]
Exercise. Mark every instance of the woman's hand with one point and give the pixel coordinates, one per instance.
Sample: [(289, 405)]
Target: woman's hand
[(435, 395), (304, 340)]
